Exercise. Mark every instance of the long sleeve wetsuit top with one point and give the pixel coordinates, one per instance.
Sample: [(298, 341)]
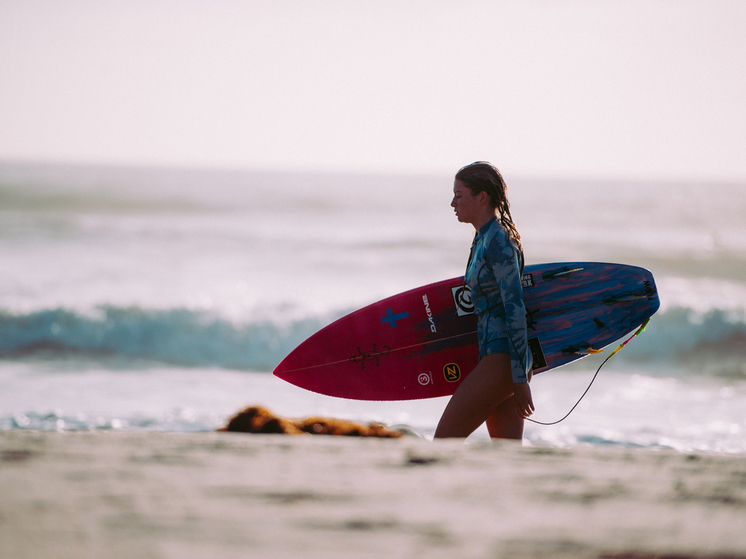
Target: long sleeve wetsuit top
[(494, 277)]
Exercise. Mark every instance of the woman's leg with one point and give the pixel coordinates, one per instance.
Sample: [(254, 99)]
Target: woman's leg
[(478, 396), (505, 422)]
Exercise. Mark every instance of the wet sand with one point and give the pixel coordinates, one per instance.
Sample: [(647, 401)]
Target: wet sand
[(230, 495)]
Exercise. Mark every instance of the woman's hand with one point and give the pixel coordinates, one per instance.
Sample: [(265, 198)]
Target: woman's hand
[(523, 400)]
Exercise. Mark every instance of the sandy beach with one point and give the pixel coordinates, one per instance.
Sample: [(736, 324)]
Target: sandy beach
[(225, 495)]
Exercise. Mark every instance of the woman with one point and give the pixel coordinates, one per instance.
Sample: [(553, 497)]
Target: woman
[(497, 390)]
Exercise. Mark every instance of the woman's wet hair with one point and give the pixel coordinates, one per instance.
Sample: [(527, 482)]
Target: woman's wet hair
[(481, 176)]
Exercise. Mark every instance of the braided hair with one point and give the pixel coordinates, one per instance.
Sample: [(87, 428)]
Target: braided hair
[(481, 176)]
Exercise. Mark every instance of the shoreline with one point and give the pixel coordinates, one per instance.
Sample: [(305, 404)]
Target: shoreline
[(162, 495)]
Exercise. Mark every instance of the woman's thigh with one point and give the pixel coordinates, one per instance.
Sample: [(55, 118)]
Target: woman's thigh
[(505, 422), (480, 393)]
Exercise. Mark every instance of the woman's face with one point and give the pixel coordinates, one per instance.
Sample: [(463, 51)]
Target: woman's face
[(468, 207)]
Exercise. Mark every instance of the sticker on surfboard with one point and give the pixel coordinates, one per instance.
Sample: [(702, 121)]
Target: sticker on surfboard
[(452, 372), (462, 299)]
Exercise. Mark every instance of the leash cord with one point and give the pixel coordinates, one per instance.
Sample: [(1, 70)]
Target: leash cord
[(637, 333), (576, 403)]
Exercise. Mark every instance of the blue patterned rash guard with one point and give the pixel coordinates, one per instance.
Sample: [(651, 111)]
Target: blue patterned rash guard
[(494, 277)]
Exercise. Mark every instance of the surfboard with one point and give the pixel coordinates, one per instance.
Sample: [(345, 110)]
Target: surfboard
[(422, 343)]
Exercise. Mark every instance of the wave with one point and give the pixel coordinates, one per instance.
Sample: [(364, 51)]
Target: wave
[(179, 336), (712, 343)]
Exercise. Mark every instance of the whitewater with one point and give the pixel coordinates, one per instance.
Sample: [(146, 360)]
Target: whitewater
[(161, 299)]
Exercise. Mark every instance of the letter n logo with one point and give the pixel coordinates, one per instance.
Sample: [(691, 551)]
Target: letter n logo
[(452, 372)]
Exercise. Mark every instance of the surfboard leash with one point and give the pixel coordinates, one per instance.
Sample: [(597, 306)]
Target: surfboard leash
[(639, 331)]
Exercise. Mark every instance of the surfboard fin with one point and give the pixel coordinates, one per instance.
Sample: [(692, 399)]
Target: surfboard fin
[(589, 351)]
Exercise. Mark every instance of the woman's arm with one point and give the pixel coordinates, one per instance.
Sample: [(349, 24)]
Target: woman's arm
[(507, 272)]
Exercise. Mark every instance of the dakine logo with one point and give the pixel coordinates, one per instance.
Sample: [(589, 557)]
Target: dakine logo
[(527, 280), (433, 329), (462, 299), (424, 379)]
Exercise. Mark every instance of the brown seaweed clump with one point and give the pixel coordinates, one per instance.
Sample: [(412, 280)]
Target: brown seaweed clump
[(256, 419)]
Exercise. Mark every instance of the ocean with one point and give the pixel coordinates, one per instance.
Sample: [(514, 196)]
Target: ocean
[(162, 298)]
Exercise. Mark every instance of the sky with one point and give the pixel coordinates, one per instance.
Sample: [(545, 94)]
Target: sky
[(644, 90)]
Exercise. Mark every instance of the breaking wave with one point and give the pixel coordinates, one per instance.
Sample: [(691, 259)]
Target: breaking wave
[(713, 343), (710, 343), (178, 336)]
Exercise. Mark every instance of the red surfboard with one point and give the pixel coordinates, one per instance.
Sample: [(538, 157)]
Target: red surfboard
[(423, 342)]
